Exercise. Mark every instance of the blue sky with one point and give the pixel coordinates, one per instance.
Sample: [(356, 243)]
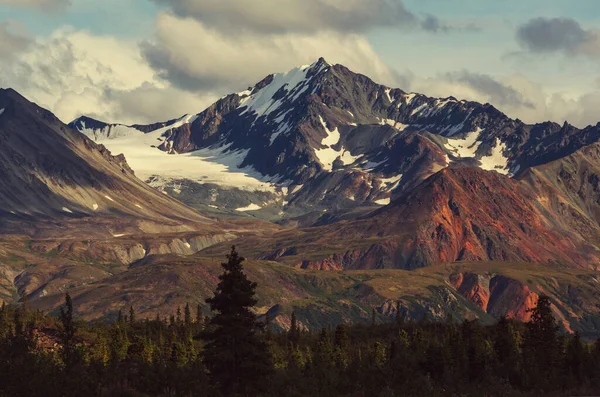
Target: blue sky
[(145, 60)]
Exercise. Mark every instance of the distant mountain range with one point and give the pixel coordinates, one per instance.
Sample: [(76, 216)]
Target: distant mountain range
[(310, 173)]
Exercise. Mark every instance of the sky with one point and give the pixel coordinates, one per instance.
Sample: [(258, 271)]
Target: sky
[(143, 61)]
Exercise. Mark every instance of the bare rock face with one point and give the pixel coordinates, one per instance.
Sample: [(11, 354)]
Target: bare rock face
[(498, 295), (473, 287), (511, 298)]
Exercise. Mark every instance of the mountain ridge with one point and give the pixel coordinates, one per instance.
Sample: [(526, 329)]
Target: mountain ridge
[(379, 179), (321, 128)]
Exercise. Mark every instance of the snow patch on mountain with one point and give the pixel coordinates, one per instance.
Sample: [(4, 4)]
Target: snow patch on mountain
[(466, 147), (391, 183), (109, 132), (218, 165), (347, 157), (409, 98), (328, 155), (496, 161), (393, 123), (387, 93), (263, 103), (251, 207)]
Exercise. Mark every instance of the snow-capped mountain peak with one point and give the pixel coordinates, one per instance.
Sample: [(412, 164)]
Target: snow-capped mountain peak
[(320, 129), (268, 95)]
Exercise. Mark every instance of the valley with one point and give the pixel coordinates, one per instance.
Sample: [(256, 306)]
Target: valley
[(344, 195)]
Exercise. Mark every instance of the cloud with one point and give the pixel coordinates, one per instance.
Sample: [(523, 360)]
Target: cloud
[(13, 39), (433, 24), (515, 95), (224, 63), (543, 35), (44, 5), (299, 16), (74, 73), (494, 91), (152, 103)]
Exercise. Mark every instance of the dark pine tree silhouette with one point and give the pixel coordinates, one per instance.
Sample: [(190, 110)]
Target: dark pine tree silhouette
[(131, 315), (541, 346), (293, 333), (236, 355), (67, 332)]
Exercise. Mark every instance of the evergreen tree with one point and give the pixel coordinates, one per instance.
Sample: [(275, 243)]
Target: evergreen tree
[(67, 332), (574, 360), (268, 331), (293, 333), (187, 316), (506, 349), (4, 321), (236, 356), (131, 315), (399, 316), (118, 344), (541, 347), (342, 344), (179, 321)]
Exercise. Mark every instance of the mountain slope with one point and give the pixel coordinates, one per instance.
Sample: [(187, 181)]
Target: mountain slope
[(51, 173), (322, 138), (458, 214)]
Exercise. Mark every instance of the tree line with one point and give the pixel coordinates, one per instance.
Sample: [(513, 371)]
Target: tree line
[(231, 353)]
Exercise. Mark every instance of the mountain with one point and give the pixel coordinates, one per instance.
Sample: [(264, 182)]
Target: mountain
[(458, 214), (322, 138), (52, 176), (375, 195)]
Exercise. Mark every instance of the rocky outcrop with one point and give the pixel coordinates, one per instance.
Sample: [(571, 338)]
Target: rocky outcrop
[(498, 295), (511, 298), (473, 287)]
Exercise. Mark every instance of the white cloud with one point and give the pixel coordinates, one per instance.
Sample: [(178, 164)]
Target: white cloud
[(73, 73), (217, 61), (188, 65), (286, 16), (14, 39), (535, 103)]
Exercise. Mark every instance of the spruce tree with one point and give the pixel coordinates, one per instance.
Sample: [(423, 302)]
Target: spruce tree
[(399, 316), (131, 315), (342, 345), (236, 356), (293, 333), (179, 320), (506, 349), (67, 332), (187, 316), (574, 360), (541, 347)]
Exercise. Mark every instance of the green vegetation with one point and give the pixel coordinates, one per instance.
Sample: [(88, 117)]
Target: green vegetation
[(231, 354)]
